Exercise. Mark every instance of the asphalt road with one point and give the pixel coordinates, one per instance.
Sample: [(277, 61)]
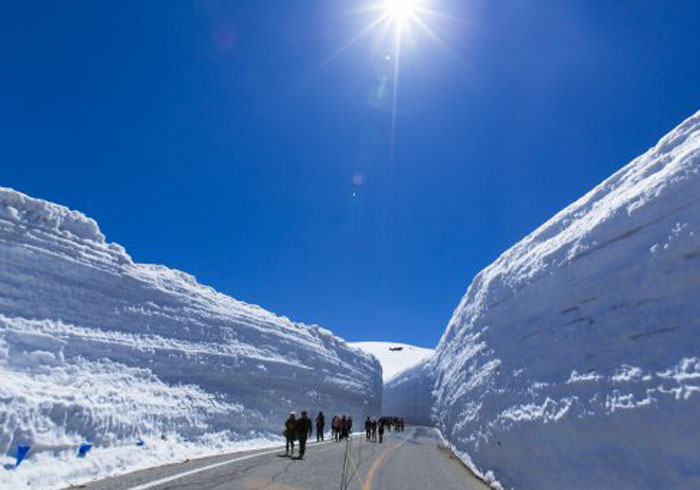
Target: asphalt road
[(414, 459)]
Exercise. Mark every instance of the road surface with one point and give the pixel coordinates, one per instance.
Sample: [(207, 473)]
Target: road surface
[(414, 459)]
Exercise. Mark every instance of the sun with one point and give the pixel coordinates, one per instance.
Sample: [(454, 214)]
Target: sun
[(392, 24), (400, 10)]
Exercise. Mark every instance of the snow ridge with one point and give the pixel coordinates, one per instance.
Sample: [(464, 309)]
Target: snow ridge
[(94, 346), (573, 359)]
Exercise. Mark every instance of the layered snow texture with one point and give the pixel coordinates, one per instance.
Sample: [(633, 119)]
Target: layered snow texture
[(94, 346), (409, 394), (573, 361), (394, 357)]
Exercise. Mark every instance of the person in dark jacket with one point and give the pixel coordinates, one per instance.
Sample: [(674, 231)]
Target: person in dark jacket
[(343, 428), (381, 430), (304, 429), (320, 424), (368, 428), (290, 432)]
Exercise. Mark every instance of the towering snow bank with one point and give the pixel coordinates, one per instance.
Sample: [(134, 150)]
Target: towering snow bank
[(394, 357), (573, 361), (93, 345), (409, 394)]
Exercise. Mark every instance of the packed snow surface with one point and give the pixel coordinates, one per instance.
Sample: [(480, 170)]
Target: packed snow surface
[(573, 361), (96, 347), (394, 357)]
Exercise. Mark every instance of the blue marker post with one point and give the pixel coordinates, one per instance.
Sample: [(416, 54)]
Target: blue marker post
[(22, 451), (83, 449)]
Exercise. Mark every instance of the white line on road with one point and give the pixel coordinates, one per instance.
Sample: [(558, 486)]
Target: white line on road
[(168, 479)]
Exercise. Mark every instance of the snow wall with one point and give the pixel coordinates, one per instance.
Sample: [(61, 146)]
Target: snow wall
[(573, 361), (94, 346), (408, 395)]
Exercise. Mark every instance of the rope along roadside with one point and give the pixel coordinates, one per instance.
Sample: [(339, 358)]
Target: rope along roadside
[(349, 461)]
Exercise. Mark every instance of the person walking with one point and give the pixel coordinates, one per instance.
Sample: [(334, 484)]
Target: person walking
[(381, 431), (368, 428), (336, 426), (303, 432), (320, 424), (343, 427), (290, 431)]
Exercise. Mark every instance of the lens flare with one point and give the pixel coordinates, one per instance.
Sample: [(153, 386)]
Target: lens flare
[(391, 25)]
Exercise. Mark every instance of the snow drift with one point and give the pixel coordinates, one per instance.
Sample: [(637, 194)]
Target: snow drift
[(94, 346), (573, 361)]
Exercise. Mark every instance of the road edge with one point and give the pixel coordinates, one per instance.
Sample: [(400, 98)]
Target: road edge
[(468, 464)]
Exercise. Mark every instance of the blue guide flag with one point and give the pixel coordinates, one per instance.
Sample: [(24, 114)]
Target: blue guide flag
[(22, 451), (83, 449)]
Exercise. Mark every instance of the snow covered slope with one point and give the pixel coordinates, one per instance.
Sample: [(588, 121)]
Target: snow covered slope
[(93, 345), (573, 361), (402, 357)]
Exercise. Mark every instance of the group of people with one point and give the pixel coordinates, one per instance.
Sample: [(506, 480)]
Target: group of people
[(300, 429), (297, 429), (341, 427), (394, 423), (374, 427)]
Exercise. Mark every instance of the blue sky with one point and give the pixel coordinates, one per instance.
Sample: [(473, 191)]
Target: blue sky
[(216, 137)]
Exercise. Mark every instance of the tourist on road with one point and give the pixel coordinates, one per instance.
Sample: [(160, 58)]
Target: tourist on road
[(290, 431), (303, 432), (320, 424), (337, 423), (343, 427), (368, 428), (381, 430)]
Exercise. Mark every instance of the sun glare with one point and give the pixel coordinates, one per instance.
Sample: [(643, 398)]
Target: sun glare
[(392, 24), (400, 10)]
